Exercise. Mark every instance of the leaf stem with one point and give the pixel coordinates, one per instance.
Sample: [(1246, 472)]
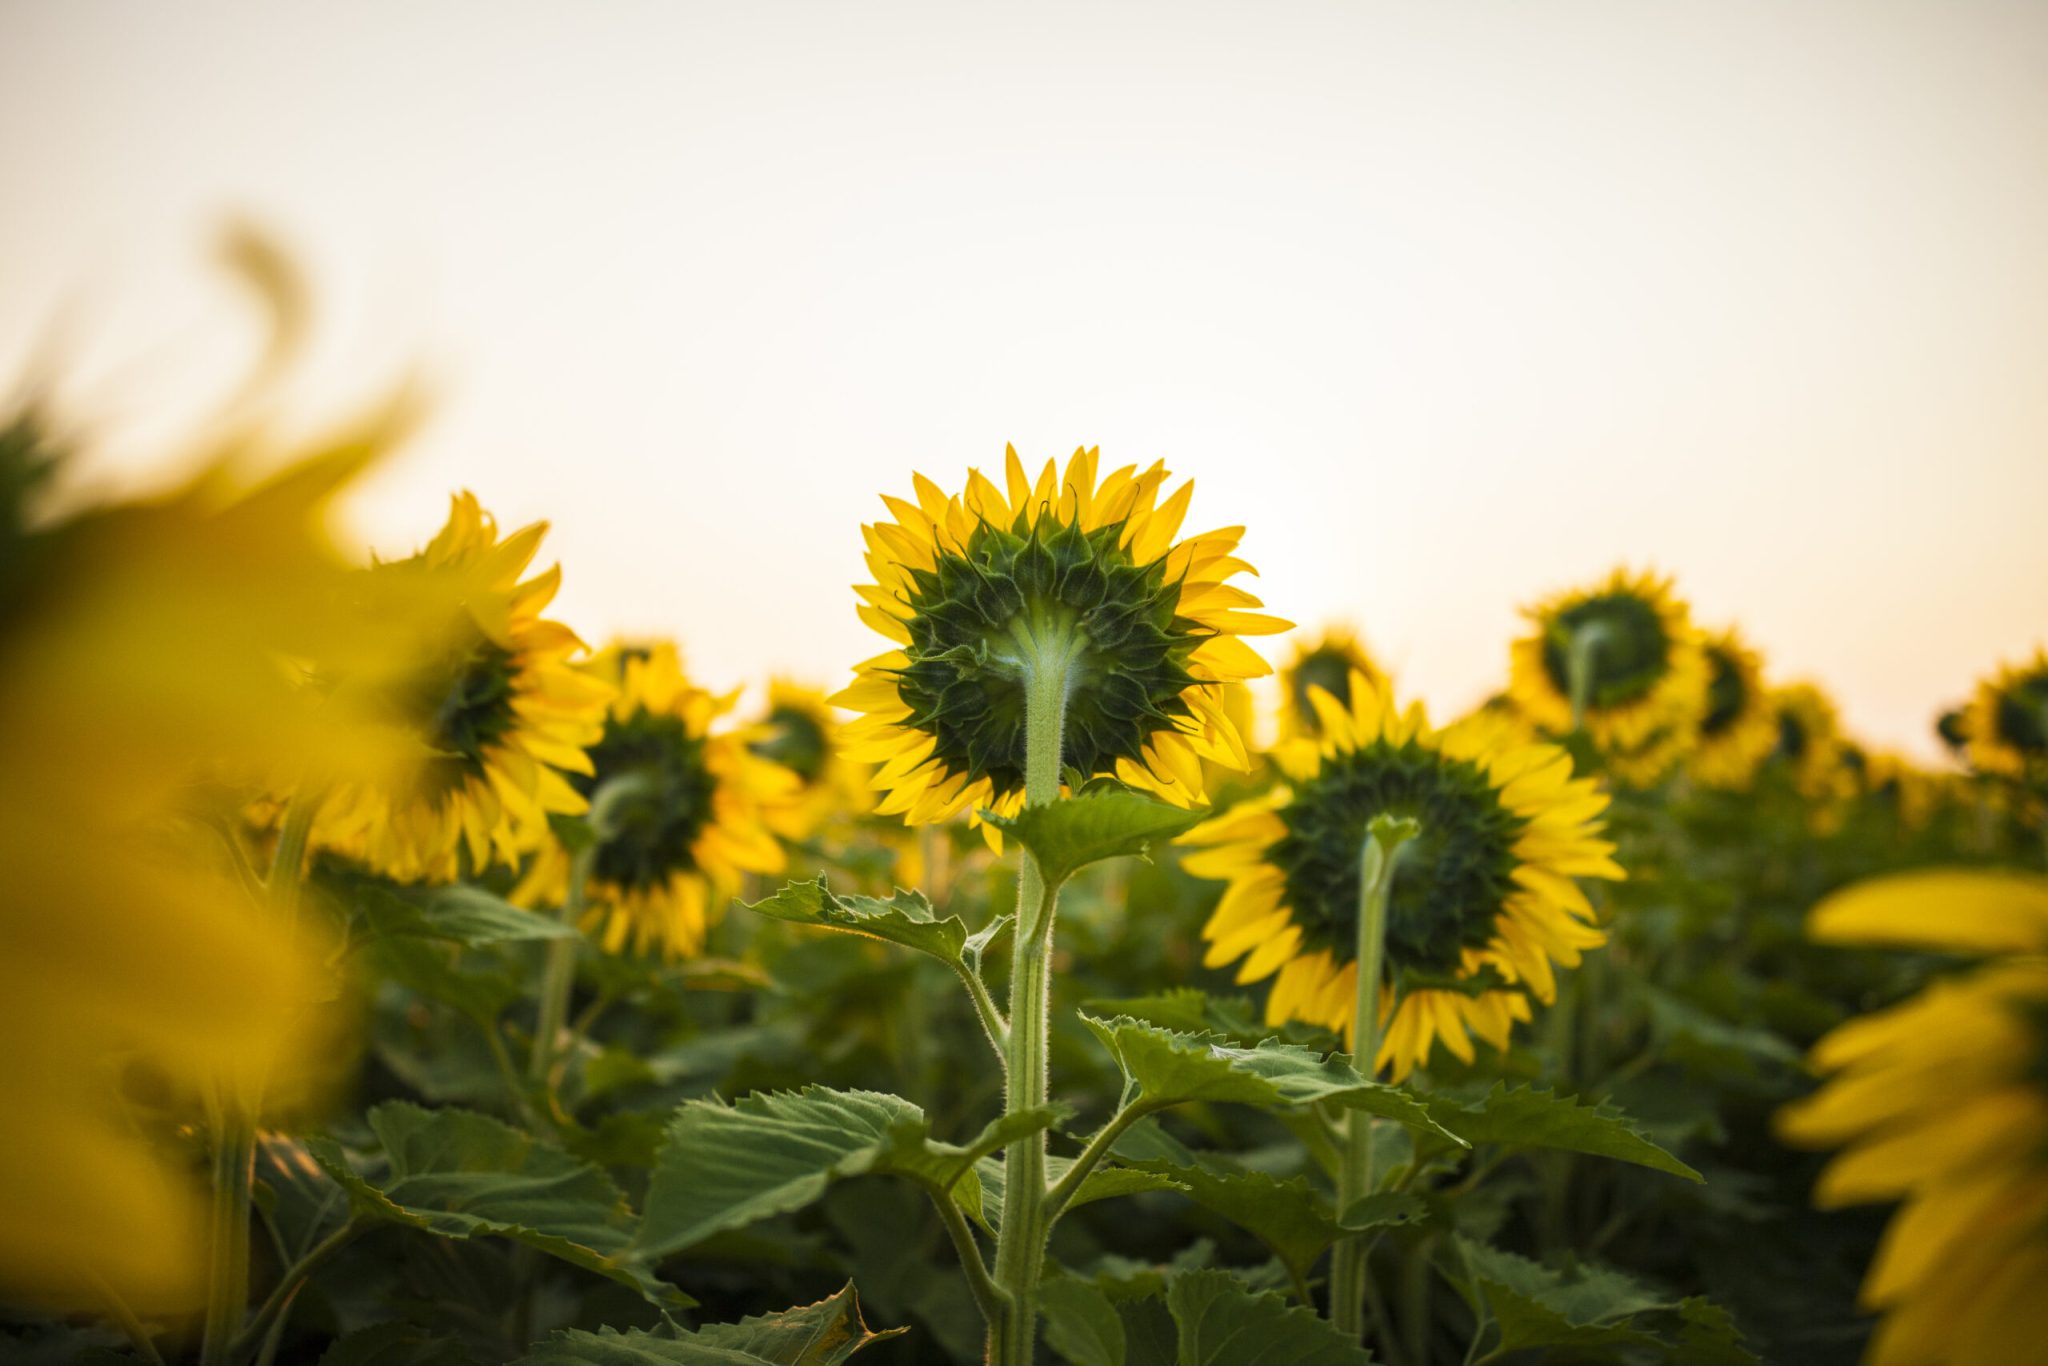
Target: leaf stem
[(269, 1317), (988, 1296), (1091, 1156), (1381, 851), (992, 1022)]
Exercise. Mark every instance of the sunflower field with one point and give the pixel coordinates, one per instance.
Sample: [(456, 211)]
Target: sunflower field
[(392, 975)]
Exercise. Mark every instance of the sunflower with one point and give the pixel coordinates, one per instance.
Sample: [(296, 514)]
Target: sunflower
[(699, 815), (1326, 663), (1811, 745), (1914, 793), (1942, 1104), (143, 658), (1739, 730), (2006, 724), (1483, 900), (981, 589), (1643, 671), (800, 732), (493, 701)]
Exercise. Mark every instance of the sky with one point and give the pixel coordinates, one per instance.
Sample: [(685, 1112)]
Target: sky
[(1451, 306)]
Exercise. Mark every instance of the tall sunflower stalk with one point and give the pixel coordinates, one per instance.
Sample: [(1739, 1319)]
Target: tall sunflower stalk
[(1049, 630)]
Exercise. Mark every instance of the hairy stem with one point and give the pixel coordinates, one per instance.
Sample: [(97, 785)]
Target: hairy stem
[(1377, 858), (1046, 656)]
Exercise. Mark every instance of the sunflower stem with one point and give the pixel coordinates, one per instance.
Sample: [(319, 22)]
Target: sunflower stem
[(1385, 839), (558, 977), (1046, 654), (1579, 661), (234, 1123)]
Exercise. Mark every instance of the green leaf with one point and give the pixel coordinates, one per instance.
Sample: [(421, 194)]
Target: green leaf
[(1081, 1325), (1524, 1117), (1163, 1068), (1104, 1183), (1066, 836), (464, 915), (1381, 1210), (1707, 1336), (395, 1344), (725, 1166), (906, 918), (1593, 1310), (1290, 1217), (1221, 1323), (436, 971), (464, 1175), (821, 1334), (1190, 1010)]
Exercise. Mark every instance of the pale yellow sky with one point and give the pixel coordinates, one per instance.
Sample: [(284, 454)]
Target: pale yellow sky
[(1449, 304)]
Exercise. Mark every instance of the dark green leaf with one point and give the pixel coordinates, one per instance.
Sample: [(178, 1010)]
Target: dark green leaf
[(395, 1344), (1081, 1325), (1221, 1323), (464, 1175), (725, 1166), (1524, 1117), (1163, 1068), (821, 1334)]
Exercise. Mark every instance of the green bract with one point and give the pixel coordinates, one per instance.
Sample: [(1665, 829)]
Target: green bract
[(1465, 851), (982, 618)]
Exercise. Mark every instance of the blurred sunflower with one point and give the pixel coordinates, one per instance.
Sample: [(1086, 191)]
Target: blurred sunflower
[(984, 589), (1483, 899), (123, 937), (1327, 663), (1815, 753), (492, 700), (1739, 730), (800, 732), (1638, 662), (696, 810), (1913, 792), (2006, 724), (1942, 1104)]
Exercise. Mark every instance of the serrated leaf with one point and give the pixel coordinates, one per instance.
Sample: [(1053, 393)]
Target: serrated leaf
[(1081, 1325), (983, 1201), (464, 915), (464, 1175), (395, 1344), (1163, 1068), (906, 918), (1066, 836), (1190, 1010), (1525, 1117), (821, 1334), (1381, 1210), (1290, 1217), (725, 1166), (1219, 1322), (1708, 1336)]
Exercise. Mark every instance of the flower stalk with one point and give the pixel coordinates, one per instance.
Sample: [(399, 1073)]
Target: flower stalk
[(235, 1105), (1386, 838), (1045, 656)]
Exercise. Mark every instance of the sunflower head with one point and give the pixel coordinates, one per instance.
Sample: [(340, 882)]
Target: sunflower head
[(1483, 898), (1327, 663), (2006, 724), (1815, 753), (491, 700), (800, 732), (1739, 730), (983, 590), (689, 810), (1941, 1103), (1642, 671)]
